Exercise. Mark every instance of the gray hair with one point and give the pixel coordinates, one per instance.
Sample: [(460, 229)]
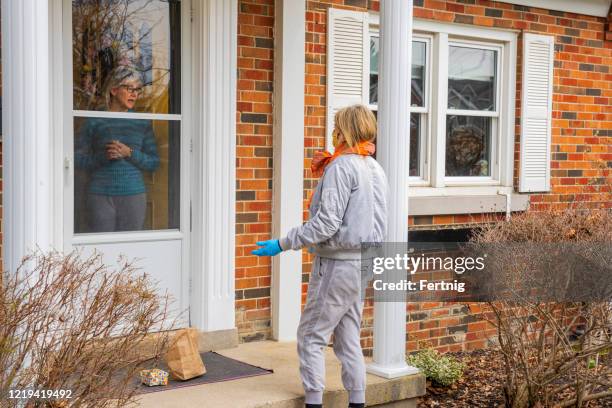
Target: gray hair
[(117, 77)]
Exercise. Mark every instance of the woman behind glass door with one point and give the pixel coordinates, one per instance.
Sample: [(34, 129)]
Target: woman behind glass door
[(115, 152)]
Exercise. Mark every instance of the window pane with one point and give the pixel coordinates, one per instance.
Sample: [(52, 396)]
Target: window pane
[(126, 55), (374, 51), (468, 146), (415, 144), (418, 72), (471, 78), (141, 192)]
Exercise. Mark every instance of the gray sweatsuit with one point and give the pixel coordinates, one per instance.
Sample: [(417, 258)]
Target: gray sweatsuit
[(349, 206)]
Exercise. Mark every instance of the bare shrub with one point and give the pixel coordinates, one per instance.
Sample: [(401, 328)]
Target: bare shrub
[(69, 323), (555, 353)]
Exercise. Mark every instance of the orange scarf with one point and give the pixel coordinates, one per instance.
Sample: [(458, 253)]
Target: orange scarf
[(323, 158)]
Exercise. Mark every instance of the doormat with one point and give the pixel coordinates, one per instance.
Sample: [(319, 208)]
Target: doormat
[(218, 368)]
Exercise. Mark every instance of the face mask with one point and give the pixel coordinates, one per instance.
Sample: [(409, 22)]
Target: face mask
[(335, 138)]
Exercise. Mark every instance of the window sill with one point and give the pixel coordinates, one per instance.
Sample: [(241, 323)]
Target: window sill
[(460, 190), (464, 200)]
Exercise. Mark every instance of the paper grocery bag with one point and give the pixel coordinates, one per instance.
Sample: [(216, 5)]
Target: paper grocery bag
[(183, 358)]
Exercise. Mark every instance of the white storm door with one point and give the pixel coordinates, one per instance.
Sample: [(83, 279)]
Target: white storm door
[(127, 136)]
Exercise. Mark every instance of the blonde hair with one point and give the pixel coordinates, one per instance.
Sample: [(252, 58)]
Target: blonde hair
[(356, 123)]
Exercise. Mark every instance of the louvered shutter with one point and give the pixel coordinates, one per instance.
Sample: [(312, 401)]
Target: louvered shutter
[(348, 61), (536, 112)]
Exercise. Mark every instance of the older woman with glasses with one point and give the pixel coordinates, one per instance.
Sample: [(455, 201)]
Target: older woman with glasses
[(115, 152)]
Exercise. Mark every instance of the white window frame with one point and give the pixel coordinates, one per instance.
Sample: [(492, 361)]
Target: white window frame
[(496, 134), (435, 183), (423, 111)]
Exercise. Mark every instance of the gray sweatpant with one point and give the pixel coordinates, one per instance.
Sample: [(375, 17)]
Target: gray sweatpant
[(109, 213), (334, 305)]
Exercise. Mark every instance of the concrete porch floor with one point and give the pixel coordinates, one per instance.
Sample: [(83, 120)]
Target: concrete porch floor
[(283, 389)]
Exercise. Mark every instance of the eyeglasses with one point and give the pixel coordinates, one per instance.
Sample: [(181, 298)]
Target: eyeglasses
[(131, 89)]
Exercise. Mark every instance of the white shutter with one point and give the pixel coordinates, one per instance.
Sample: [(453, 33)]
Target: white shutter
[(536, 112), (348, 62)]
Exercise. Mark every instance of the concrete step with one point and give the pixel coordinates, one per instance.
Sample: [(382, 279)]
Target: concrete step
[(283, 388)]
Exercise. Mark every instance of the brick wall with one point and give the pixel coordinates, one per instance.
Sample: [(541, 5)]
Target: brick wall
[(581, 148), (254, 166), (581, 132)]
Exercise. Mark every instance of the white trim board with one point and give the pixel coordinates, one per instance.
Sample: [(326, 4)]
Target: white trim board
[(597, 8), (464, 204), (28, 149), (124, 237), (288, 139), (126, 115), (215, 39), (456, 29)]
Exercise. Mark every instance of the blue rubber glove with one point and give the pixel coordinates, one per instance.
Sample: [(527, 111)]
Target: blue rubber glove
[(269, 248)]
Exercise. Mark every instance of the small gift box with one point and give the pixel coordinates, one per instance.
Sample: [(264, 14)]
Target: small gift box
[(154, 377)]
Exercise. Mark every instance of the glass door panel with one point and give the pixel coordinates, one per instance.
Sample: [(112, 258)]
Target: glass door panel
[(120, 43), (138, 192)]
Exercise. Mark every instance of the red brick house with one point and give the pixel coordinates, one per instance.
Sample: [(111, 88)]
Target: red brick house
[(509, 111)]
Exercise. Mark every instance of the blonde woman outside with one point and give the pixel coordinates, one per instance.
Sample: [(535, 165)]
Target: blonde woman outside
[(348, 207), (115, 152)]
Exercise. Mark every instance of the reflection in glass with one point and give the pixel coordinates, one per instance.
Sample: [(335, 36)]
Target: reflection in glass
[(374, 50), (418, 72), (141, 35), (471, 78), (415, 144), (126, 174), (468, 146)]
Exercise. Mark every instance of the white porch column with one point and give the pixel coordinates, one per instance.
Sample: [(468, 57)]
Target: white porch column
[(290, 29), (393, 143), (26, 132), (214, 167)]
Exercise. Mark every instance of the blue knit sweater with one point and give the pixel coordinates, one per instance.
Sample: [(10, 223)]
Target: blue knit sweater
[(122, 176)]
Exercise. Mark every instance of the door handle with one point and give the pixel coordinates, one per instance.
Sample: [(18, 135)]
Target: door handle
[(67, 163)]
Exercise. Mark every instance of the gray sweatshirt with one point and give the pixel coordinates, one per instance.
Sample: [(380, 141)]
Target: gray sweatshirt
[(348, 207)]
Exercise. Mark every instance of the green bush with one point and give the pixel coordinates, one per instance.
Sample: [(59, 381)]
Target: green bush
[(440, 369)]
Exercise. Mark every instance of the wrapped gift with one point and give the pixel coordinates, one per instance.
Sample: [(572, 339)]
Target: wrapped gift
[(154, 377)]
